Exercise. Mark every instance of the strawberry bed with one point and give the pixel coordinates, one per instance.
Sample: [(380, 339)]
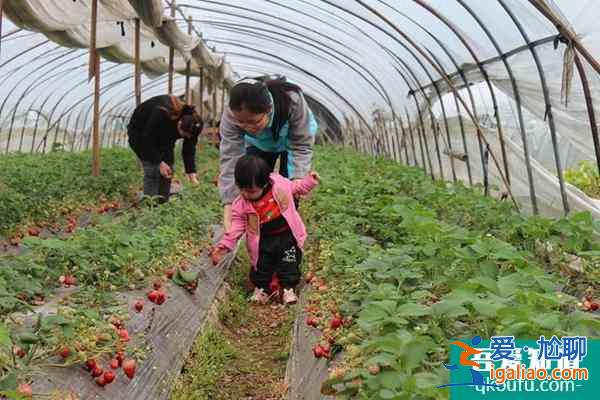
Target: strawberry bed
[(408, 263), (38, 189), (59, 299)]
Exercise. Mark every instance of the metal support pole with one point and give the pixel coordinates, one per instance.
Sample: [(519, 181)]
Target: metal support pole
[(549, 113), (517, 95), (412, 140), (423, 138), (590, 106)]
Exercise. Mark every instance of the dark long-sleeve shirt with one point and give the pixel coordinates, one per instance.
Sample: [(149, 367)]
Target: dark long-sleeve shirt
[(152, 134)]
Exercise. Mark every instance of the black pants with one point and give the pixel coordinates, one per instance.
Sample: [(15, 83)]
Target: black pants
[(271, 159), (277, 254)]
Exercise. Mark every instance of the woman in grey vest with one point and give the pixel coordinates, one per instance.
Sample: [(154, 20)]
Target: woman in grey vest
[(268, 118)]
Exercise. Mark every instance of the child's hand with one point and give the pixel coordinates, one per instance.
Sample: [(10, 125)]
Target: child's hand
[(216, 255), (315, 176)]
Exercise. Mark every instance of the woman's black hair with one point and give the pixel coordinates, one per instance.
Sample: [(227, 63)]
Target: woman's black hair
[(253, 96), (190, 120), (251, 171)]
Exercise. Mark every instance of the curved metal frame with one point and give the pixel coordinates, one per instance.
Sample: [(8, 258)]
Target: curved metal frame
[(546, 94), (517, 94)]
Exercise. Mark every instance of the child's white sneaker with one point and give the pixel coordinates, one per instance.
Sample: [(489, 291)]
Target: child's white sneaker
[(289, 297), (259, 296)]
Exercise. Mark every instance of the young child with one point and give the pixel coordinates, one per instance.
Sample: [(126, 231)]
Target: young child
[(275, 233)]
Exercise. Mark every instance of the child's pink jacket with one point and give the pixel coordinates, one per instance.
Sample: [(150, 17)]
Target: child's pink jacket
[(244, 218)]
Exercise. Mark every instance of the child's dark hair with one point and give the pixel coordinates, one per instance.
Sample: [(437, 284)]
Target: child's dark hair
[(251, 171), (253, 96)]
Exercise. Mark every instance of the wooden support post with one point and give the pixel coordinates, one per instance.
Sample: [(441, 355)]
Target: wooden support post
[(0, 28), (201, 94), (96, 67), (171, 55), (222, 99), (214, 107), (138, 65), (214, 99), (188, 70)]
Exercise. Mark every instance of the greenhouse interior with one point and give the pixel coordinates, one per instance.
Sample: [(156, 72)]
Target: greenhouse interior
[(299, 199)]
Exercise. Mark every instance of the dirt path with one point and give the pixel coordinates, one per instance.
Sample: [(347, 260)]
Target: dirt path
[(244, 354)]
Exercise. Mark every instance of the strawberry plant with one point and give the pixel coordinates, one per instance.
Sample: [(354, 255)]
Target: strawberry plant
[(418, 262), (40, 187), (585, 177)]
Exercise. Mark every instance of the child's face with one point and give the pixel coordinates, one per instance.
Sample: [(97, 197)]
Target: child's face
[(251, 194)]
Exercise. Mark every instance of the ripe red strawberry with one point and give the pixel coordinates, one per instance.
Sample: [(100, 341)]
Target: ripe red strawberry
[(120, 356), (336, 322), (25, 390), (594, 306), (65, 352), (109, 377), (91, 364), (311, 321), (170, 272), (19, 352), (139, 305), (157, 285), (275, 285), (97, 371), (33, 231), (67, 280), (129, 368), (162, 296), (153, 295), (123, 334), (114, 364), (324, 350), (100, 381), (318, 351)]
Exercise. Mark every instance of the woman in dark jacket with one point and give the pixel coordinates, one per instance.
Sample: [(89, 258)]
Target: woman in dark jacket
[(155, 126)]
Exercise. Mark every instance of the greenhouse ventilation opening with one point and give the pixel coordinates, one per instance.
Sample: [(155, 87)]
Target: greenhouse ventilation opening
[(499, 95)]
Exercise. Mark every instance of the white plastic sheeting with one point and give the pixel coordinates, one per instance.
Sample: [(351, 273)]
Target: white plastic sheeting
[(354, 62), (67, 23)]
